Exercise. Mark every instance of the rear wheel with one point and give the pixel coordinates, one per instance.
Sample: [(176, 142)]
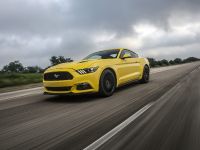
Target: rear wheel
[(107, 83), (146, 75)]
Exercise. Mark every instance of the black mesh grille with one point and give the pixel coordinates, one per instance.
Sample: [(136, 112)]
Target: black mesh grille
[(67, 88), (54, 76)]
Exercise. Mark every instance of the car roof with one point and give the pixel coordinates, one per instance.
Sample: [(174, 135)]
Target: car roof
[(116, 48)]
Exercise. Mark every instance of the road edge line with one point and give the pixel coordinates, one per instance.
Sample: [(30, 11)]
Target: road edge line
[(96, 144), (19, 91)]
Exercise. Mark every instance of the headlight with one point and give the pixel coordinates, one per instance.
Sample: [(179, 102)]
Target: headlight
[(87, 70)]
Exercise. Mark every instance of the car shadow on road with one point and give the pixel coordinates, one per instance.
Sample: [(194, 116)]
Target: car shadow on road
[(127, 86), (73, 98), (87, 97)]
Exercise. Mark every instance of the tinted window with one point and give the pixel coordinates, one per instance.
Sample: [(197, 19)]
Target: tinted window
[(132, 54)]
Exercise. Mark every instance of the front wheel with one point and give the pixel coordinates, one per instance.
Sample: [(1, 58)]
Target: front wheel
[(107, 83), (146, 75)]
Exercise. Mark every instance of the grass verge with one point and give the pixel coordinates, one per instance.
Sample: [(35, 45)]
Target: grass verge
[(13, 79)]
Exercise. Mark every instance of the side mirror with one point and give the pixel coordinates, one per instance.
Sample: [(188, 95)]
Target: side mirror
[(126, 56)]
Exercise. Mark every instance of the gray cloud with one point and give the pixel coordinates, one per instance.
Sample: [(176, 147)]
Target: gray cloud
[(33, 30)]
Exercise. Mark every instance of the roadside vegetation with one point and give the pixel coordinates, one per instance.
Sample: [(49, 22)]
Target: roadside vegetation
[(13, 79), (16, 74), (159, 63)]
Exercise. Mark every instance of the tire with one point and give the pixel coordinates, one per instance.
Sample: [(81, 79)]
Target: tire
[(107, 83), (146, 75)]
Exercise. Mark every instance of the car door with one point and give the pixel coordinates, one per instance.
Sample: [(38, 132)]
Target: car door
[(128, 68)]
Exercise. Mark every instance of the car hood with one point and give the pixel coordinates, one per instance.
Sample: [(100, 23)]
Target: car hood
[(75, 65)]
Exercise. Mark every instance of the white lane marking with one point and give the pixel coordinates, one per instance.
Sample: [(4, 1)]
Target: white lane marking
[(20, 93), (96, 144)]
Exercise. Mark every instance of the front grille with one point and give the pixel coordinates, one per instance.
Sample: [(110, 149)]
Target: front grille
[(67, 88), (54, 76)]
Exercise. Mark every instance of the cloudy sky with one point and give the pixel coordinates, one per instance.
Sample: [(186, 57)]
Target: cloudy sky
[(34, 30)]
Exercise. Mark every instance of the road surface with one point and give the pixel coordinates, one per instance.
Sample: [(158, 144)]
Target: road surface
[(161, 115)]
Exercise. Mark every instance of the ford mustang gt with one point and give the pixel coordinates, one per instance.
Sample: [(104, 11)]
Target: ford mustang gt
[(100, 72)]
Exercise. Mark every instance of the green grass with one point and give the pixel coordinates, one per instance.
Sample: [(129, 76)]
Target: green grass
[(13, 79)]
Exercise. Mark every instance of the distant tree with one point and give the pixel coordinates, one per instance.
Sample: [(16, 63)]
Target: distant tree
[(15, 66), (190, 59), (61, 59), (159, 63), (68, 60), (53, 60), (152, 62), (178, 61), (164, 62), (33, 69), (58, 60), (171, 62)]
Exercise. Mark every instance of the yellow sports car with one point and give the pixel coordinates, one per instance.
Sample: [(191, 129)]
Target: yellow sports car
[(100, 72)]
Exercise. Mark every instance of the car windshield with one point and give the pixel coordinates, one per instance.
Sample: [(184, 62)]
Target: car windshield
[(106, 54)]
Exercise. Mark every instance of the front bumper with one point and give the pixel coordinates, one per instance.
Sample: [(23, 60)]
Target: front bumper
[(87, 83)]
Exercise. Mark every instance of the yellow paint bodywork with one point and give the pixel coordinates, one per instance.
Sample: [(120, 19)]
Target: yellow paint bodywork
[(125, 70)]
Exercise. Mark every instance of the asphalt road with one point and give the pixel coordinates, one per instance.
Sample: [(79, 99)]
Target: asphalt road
[(171, 122)]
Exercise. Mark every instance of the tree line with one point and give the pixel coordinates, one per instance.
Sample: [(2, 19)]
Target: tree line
[(17, 67), (157, 63)]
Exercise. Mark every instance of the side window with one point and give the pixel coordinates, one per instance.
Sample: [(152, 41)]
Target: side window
[(134, 55), (125, 52), (129, 52)]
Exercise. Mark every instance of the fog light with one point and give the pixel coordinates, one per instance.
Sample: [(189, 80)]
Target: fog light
[(83, 86)]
